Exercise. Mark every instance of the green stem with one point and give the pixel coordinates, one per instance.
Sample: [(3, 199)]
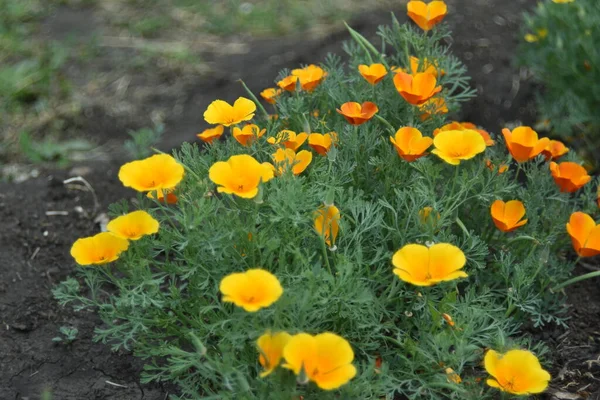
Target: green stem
[(579, 278), (385, 121), (324, 249), (266, 114)]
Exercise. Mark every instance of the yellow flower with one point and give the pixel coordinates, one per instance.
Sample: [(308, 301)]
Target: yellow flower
[(563, 1), (327, 223), (541, 34), (157, 172), (517, 372), (99, 249), (240, 175), (453, 376), (286, 158), (211, 134), (221, 112), (320, 143), (251, 290), (455, 146), (325, 359), (507, 216), (133, 226), (426, 266), (248, 134), (270, 346), (289, 139)]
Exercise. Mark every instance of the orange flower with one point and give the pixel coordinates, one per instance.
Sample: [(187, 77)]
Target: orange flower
[(373, 73), (523, 143), (289, 139), (427, 15), (461, 126), (554, 150), (585, 234), (410, 143), (270, 94), (507, 216), (286, 158), (569, 176), (448, 319), (157, 172), (425, 65), (310, 76), (211, 134), (98, 249), (358, 114), (221, 112), (418, 88), (435, 105), (502, 168), (320, 143), (288, 83), (248, 134), (164, 196)]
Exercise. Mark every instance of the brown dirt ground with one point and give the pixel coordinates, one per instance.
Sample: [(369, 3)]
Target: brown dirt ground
[(35, 246)]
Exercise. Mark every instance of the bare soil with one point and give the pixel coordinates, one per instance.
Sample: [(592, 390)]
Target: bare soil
[(34, 244)]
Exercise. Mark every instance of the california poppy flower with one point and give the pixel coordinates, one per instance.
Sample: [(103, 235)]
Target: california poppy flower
[(569, 176), (270, 347), (210, 134), (285, 159), (133, 226), (321, 143), (452, 376), (418, 88), (248, 134), (98, 249), (517, 372), (456, 146), (427, 15), (426, 266), (251, 290), (532, 38), (356, 113), (157, 172), (426, 216), (270, 94), (416, 66), (288, 83), (502, 168), (462, 126), (555, 150), (164, 196), (325, 359), (562, 1), (410, 143), (240, 175), (327, 223), (221, 112), (310, 76), (373, 73), (523, 143), (433, 106), (507, 216), (289, 139), (585, 234)]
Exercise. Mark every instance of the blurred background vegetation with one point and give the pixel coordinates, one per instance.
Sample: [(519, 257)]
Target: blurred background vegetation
[(56, 54)]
